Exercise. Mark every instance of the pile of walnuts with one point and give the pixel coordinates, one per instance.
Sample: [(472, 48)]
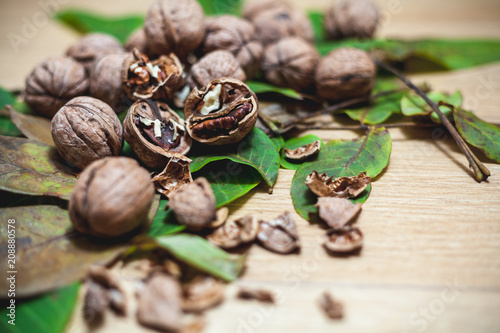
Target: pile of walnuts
[(181, 59)]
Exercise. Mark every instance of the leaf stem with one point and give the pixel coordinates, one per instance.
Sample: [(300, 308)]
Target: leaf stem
[(480, 171), (364, 127)]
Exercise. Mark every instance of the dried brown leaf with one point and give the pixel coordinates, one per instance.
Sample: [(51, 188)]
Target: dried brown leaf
[(33, 127)]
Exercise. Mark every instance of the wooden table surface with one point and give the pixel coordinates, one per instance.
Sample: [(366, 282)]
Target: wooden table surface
[(431, 258)]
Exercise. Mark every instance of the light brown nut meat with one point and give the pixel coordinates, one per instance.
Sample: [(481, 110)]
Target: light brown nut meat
[(279, 235), (304, 152), (342, 187), (337, 212), (344, 240)]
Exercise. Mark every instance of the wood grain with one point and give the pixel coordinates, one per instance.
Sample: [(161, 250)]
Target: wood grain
[(431, 256)]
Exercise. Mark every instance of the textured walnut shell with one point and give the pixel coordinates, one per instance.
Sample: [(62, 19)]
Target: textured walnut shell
[(351, 19), (137, 40), (303, 152), (112, 197), (290, 63), (202, 293), (93, 46), (237, 36), (275, 24), (342, 187), (157, 79), (153, 147), (343, 240), (174, 26), (221, 118), (212, 66), (255, 7), (337, 212), (345, 73), (86, 129), (234, 233), (177, 173), (279, 235), (53, 83), (194, 205)]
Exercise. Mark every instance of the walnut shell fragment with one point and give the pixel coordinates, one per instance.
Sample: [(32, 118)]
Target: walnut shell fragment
[(177, 173), (337, 212), (344, 240), (279, 235), (159, 303), (194, 204), (260, 295), (342, 187), (224, 112), (155, 132), (113, 288), (234, 233), (202, 293), (303, 152), (332, 308)]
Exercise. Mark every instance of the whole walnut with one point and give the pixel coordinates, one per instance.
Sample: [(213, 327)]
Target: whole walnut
[(351, 19), (53, 83), (86, 129), (137, 40), (93, 46), (275, 24), (237, 36), (290, 63), (212, 66), (112, 197), (174, 26), (345, 73), (255, 7)]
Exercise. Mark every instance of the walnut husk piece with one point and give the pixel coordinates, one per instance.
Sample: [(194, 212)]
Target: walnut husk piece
[(337, 212), (303, 152), (235, 233), (202, 293), (224, 112), (345, 73), (343, 240), (194, 205), (155, 132), (112, 197), (342, 187), (351, 19), (53, 83), (93, 46), (174, 26), (332, 308), (177, 173), (214, 65), (237, 36), (86, 129), (279, 235)]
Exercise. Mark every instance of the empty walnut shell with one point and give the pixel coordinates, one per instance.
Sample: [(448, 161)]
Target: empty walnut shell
[(351, 19), (279, 235), (337, 212), (303, 152), (343, 240), (86, 129), (345, 73), (255, 7), (342, 187), (194, 205), (224, 112), (112, 197), (291, 62), (93, 46), (53, 83), (234, 233), (174, 26), (155, 132), (214, 65), (177, 173), (237, 36)]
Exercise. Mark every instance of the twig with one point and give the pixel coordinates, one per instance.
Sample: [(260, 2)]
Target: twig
[(364, 127), (480, 171)]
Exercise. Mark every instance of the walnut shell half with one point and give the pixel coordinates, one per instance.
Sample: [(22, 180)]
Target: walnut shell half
[(224, 112), (155, 132)]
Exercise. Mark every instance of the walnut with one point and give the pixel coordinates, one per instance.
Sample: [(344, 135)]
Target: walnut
[(93, 46), (86, 129), (279, 235), (345, 73), (112, 197), (351, 19), (344, 240), (155, 133), (224, 112), (53, 83), (174, 26), (214, 65), (337, 212), (277, 23), (237, 36), (255, 7), (290, 63), (201, 293), (342, 187), (177, 173), (194, 205), (137, 40), (234, 233), (304, 152)]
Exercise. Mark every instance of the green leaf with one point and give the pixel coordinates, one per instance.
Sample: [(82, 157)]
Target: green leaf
[(450, 54), (33, 168), (317, 22), (164, 222), (278, 142), (87, 22), (229, 180), (382, 109), (199, 253), (49, 253), (294, 143), (479, 133), (414, 105), (6, 126), (255, 150), (263, 87), (339, 158), (219, 7), (49, 313)]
